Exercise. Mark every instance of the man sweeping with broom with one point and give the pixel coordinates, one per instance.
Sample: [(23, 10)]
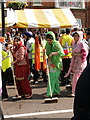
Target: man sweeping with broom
[(54, 52)]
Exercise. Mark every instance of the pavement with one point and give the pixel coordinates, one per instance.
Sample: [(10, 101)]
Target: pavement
[(35, 108)]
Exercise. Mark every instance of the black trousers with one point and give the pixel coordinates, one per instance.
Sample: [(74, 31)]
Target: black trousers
[(9, 76), (37, 75), (4, 90), (31, 65), (66, 65)]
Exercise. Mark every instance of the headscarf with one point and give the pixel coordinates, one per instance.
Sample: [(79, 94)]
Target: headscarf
[(55, 47), (80, 45)]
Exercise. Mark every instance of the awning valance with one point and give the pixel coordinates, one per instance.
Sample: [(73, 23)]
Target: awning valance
[(41, 18)]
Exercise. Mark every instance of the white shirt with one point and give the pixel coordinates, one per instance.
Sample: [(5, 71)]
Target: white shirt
[(28, 46)]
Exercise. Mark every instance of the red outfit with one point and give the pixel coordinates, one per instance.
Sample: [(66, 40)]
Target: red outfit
[(22, 70)]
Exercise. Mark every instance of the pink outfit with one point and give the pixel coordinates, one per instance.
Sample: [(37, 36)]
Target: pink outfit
[(0, 91), (80, 35), (78, 63)]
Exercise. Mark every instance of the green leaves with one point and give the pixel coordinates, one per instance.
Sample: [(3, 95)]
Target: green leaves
[(17, 5)]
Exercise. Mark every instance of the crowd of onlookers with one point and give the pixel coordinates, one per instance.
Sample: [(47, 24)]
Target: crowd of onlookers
[(66, 39), (27, 53)]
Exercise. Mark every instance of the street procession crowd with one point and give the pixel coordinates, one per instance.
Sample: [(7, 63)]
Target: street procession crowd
[(28, 53)]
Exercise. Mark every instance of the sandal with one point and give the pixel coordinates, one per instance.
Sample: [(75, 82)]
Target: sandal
[(45, 96), (58, 94), (27, 97), (5, 99), (71, 95), (55, 95)]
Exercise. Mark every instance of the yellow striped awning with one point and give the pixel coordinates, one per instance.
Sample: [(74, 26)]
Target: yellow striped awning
[(10, 19), (43, 18)]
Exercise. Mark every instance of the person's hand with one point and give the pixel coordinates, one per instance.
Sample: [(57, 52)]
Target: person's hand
[(10, 49), (50, 55), (44, 52), (12, 63), (53, 53), (78, 54), (73, 53), (28, 74), (66, 75)]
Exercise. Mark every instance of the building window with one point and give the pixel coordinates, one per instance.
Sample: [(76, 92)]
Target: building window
[(79, 22), (21, 0), (72, 3), (36, 2)]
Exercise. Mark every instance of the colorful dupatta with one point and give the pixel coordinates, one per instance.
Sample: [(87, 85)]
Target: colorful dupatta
[(26, 53), (55, 47), (37, 54)]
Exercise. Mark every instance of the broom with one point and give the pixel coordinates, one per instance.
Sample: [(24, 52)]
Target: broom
[(17, 97), (50, 99)]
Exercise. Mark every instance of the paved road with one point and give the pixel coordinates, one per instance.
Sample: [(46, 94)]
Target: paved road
[(35, 108)]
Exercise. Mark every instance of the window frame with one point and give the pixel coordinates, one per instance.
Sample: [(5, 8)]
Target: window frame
[(37, 4), (79, 22), (71, 7)]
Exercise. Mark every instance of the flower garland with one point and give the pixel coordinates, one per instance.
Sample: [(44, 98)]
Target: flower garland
[(17, 5)]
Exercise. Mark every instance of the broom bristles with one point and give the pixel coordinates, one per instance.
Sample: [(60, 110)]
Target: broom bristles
[(51, 100)]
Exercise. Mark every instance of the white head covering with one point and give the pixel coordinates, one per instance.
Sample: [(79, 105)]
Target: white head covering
[(13, 30)]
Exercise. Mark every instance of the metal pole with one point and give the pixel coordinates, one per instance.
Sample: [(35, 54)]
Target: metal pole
[(86, 15), (3, 19), (30, 3)]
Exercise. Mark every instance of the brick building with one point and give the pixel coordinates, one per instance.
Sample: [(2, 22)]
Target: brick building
[(79, 8), (83, 15)]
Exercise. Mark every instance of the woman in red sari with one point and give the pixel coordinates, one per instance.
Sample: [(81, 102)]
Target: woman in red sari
[(21, 68)]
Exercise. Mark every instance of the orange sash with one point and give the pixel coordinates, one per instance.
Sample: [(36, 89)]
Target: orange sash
[(85, 35), (37, 55)]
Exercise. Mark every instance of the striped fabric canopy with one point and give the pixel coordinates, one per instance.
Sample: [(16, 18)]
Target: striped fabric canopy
[(41, 18), (10, 19)]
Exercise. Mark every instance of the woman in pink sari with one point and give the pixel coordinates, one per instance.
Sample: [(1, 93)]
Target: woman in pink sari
[(78, 62), (21, 68)]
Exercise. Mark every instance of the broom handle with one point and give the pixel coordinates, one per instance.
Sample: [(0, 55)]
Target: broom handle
[(14, 77), (48, 76)]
